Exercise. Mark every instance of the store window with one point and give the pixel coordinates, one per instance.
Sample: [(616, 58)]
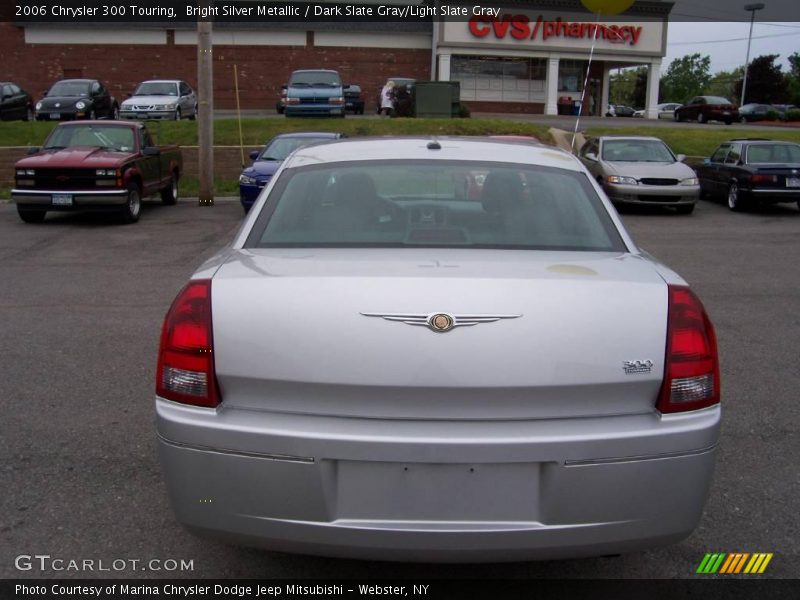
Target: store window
[(500, 79), (571, 75)]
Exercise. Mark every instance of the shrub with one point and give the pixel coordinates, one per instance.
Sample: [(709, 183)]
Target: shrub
[(463, 111), (773, 115), (793, 114)]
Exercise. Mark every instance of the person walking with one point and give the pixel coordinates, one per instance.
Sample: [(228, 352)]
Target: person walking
[(387, 99)]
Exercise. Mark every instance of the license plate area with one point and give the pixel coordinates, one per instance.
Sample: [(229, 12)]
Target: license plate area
[(55, 115), (62, 199), (793, 182), (142, 115), (437, 492)]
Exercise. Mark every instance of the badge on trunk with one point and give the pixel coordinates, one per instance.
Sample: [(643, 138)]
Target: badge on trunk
[(440, 322)]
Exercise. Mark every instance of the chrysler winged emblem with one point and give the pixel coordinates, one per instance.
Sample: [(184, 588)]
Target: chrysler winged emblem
[(440, 322)]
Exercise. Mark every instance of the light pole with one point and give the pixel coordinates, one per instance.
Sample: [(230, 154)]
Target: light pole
[(752, 8)]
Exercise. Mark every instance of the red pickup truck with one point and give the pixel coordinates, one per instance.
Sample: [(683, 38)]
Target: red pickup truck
[(96, 165)]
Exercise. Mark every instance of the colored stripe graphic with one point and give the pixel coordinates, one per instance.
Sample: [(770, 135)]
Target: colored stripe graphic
[(734, 563)]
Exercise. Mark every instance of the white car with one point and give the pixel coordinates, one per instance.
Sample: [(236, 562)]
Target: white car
[(161, 99), (665, 111), (381, 366)]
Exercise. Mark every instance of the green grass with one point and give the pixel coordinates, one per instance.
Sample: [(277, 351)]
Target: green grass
[(700, 141), (257, 131)]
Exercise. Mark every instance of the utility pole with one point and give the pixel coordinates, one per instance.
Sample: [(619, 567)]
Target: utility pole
[(205, 105), (752, 8)]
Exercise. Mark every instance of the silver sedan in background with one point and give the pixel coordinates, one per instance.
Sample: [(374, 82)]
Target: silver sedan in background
[(641, 170), (437, 350), (161, 99)]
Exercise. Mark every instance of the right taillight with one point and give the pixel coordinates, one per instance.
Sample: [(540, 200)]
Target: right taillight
[(691, 372), (185, 370)]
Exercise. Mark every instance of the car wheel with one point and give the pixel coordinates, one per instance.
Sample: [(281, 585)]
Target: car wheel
[(31, 216), (30, 115), (676, 117), (685, 209), (133, 205), (743, 119), (114, 113), (735, 198), (169, 195), (194, 114), (177, 114), (728, 121), (701, 118)]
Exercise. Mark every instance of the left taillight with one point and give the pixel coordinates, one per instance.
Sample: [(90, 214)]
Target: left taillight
[(185, 370), (691, 373)]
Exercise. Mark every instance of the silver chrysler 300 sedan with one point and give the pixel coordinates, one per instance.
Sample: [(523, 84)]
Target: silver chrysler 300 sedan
[(445, 350)]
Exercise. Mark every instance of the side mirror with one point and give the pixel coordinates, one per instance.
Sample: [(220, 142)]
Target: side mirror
[(254, 154), (151, 151), (680, 157), (706, 161), (590, 156), (33, 150)]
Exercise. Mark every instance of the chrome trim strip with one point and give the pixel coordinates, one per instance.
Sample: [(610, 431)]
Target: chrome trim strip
[(70, 192), (276, 457), (624, 459), (795, 191)]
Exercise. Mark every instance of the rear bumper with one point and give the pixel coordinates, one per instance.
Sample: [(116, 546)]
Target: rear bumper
[(443, 491), (43, 199), (774, 195)]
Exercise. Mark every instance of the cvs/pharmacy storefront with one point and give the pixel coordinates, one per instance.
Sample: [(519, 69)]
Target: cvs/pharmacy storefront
[(524, 60)]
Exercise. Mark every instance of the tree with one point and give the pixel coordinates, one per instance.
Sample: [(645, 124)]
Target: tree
[(765, 82), (628, 87), (724, 84), (685, 77), (793, 78)]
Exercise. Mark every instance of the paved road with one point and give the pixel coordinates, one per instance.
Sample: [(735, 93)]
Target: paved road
[(81, 304)]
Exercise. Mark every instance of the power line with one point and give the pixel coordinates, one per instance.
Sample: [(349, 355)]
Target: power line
[(755, 37)]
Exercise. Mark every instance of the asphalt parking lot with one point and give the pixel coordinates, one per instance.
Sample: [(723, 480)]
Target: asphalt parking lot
[(81, 305)]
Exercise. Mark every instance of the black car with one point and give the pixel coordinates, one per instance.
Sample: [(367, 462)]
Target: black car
[(752, 171), (16, 104), (353, 99), (77, 99), (757, 112)]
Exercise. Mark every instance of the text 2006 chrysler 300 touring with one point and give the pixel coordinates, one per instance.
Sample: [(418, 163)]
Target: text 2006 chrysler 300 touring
[(385, 364)]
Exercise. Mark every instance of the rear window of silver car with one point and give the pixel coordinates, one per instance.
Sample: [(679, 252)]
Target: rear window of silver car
[(424, 204)]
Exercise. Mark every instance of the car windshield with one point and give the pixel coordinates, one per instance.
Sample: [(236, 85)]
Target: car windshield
[(280, 148), (773, 153), (156, 88), (315, 78), (447, 204), (107, 137), (636, 151), (70, 88)]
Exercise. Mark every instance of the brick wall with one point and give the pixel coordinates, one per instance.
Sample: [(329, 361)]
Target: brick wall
[(261, 69)]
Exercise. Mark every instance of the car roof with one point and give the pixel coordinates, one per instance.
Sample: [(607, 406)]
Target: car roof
[(628, 137), (760, 141), (76, 80), (434, 148), (102, 122), (161, 81), (314, 71), (310, 134)]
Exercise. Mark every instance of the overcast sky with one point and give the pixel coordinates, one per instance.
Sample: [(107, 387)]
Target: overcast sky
[(768, 38)]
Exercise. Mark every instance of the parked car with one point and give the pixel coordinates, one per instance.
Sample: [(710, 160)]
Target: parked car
[(665, 110), (280, 105), (404, 83), (377, 368), (15, 103), (269, 159), (96, 165), (752, 171), (756, 112), (641, 170), (161, 99), (314, 93), (353, 99), (618, 110), (708, 108), (77, 99)]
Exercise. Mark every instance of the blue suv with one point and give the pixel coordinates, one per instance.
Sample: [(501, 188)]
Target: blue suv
[(314, 93), (268, 160)]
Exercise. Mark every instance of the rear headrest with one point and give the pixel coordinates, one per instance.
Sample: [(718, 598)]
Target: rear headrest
[(501, 189)]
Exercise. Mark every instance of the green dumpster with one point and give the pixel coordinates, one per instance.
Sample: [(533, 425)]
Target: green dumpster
[(437, 99)]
